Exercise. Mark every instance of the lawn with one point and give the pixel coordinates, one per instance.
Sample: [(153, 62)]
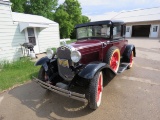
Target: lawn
[(15, 73), (18, 72)]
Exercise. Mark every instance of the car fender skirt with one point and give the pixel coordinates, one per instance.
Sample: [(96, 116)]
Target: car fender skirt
[(89, 71), (128, 51), (42, 61)]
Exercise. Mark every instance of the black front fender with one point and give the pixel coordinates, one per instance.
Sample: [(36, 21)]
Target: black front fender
[(89, 71), (42, 61), (127, 52)]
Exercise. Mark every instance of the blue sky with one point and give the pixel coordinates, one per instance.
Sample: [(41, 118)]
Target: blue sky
[(93, 8)]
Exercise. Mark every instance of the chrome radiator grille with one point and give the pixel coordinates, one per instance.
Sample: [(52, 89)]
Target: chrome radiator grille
[(64, 63)]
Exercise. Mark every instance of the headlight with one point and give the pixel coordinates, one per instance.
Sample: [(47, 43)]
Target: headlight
[(50, 53), (75, 56)]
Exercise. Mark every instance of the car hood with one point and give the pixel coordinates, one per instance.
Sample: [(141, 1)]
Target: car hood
[(82, 44)]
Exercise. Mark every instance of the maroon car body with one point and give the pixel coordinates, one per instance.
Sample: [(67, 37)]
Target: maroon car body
[(100, 50)]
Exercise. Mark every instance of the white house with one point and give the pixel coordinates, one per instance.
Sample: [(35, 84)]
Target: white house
[(139, 22), (19, 28)]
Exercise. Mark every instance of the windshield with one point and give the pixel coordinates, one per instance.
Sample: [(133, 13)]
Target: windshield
[(93, 31)]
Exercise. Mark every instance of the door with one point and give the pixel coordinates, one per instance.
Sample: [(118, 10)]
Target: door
[(141, 30), (118, 39), (154, 31), (32, 38), (128, 31)]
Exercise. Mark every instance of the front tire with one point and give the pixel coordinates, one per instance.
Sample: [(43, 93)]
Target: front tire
[(95, 91), (41, 74)]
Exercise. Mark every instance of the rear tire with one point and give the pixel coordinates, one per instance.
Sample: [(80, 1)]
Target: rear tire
[(113, 58), (131, 60), (95, 91)]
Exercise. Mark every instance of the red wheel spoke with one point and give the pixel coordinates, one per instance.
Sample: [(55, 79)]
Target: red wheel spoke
[(114, 60)]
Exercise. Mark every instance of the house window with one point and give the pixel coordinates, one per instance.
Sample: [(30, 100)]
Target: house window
[(155, 28), (31, 36), (117, 32)]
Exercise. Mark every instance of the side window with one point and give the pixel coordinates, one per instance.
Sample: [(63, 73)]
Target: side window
[(117, 32), (31, 36), (155, 28)]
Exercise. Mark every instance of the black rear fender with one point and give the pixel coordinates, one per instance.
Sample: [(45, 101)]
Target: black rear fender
[(89, 71), (128, 51)]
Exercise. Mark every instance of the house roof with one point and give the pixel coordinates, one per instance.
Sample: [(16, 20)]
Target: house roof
[(139, 15), (28, 18), (5, 2)]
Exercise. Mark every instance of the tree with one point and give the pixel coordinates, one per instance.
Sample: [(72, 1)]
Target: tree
[(62, 17), (68, 15), (85, 19), (41, 7), (44, 8), (18, 5)]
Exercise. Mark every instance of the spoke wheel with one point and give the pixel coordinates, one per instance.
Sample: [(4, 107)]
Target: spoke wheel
[(95, 91)]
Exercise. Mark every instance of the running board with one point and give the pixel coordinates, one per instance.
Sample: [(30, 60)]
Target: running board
[(67, 93), (122, 67)]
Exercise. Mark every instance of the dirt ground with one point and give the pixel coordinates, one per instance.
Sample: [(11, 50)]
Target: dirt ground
[(132, 95)]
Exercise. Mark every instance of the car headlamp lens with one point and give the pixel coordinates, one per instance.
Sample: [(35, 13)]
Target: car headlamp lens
[(50, 53), (75, 56)]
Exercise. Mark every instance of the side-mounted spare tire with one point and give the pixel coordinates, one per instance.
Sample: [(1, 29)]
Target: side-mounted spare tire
[(95, 90), (113, 58)]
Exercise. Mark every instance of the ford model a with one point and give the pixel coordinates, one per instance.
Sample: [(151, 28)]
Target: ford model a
[(101, 49)]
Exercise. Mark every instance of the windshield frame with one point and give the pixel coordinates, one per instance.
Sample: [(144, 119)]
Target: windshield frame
[(96, 31)]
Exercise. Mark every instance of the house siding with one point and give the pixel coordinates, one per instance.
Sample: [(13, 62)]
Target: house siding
[(48, 38), (10, 36), (146, 23)]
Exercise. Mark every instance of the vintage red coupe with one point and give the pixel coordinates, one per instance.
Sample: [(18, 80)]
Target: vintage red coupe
[(100, 51)]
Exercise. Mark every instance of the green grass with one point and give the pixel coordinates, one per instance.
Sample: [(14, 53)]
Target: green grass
[(16, 73)]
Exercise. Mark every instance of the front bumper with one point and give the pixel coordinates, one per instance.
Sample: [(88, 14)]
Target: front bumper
[(67, 93)]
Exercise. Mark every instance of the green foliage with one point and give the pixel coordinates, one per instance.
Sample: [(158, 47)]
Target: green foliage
[(37, 7), (16, 73), (42, 7), (68, 15), (62, 17), (18, 5), (85, 19)]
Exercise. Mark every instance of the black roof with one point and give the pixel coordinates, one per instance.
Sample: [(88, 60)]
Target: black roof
[(114, 22)]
